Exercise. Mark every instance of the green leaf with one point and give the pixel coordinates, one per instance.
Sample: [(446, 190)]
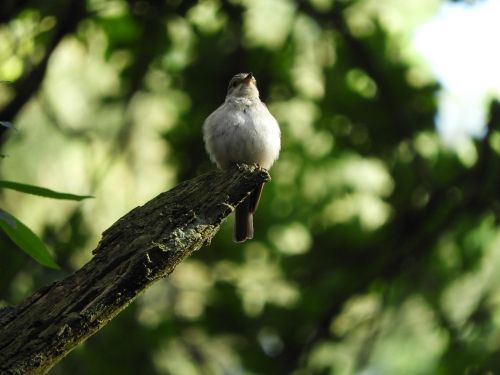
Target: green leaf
[(28, 241), (7, 124), (36, 190)]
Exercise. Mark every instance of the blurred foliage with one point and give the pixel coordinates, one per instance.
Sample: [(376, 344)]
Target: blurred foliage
[(375, 248)]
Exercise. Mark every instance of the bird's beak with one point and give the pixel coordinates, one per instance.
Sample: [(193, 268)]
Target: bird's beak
[(248, 79)]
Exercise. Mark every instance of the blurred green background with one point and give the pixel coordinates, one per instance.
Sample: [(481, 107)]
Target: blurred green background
[(376, 245)]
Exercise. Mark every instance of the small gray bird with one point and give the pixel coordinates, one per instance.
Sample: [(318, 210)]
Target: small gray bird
[(242, 130)]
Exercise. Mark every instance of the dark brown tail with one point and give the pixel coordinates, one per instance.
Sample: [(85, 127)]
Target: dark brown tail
[(243, 223), (255, 197)]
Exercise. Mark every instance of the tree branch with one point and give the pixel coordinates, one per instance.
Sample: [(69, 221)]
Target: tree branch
[(140, 248)]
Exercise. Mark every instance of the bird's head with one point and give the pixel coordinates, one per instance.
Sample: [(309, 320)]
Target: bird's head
[(243, 85)]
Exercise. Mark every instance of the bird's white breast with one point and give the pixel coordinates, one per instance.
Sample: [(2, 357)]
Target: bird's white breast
[(242, 130)]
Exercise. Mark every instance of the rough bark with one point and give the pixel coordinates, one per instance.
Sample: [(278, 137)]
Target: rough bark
[(141, 247)]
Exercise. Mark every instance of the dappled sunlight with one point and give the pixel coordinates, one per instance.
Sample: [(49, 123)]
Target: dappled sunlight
[(19, 48), (319, 145), (207, 16), (337, 358), (155, 305), (371, 212), (410, 340), (314, 52), (407, 340), (396, 16), (349, 173), (466, 152), (182, 38), (351, 187), (291, 239), (260, 14), (259, 281), (23, 285), (361, 83), (462, 298), (193, 282), (362, 174), (196, 353), (358, 312), (288, 170), (356, 323), (298, 116), (428, 145), (376, 245), (75, 107)]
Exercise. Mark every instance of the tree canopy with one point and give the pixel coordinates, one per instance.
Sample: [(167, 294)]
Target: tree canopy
[(375, 246)]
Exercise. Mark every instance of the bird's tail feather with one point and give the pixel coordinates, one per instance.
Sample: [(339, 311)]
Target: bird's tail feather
[(243, 223), (255, 197)]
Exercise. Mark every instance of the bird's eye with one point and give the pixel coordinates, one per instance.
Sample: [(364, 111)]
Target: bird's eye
[(235, 83)]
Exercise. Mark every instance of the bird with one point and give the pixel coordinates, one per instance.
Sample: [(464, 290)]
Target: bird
[(242, 130)]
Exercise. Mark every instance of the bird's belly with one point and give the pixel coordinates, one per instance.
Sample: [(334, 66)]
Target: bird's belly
[(249, 142)]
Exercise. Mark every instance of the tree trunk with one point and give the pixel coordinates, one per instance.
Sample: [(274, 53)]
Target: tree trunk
[(140, 248)]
